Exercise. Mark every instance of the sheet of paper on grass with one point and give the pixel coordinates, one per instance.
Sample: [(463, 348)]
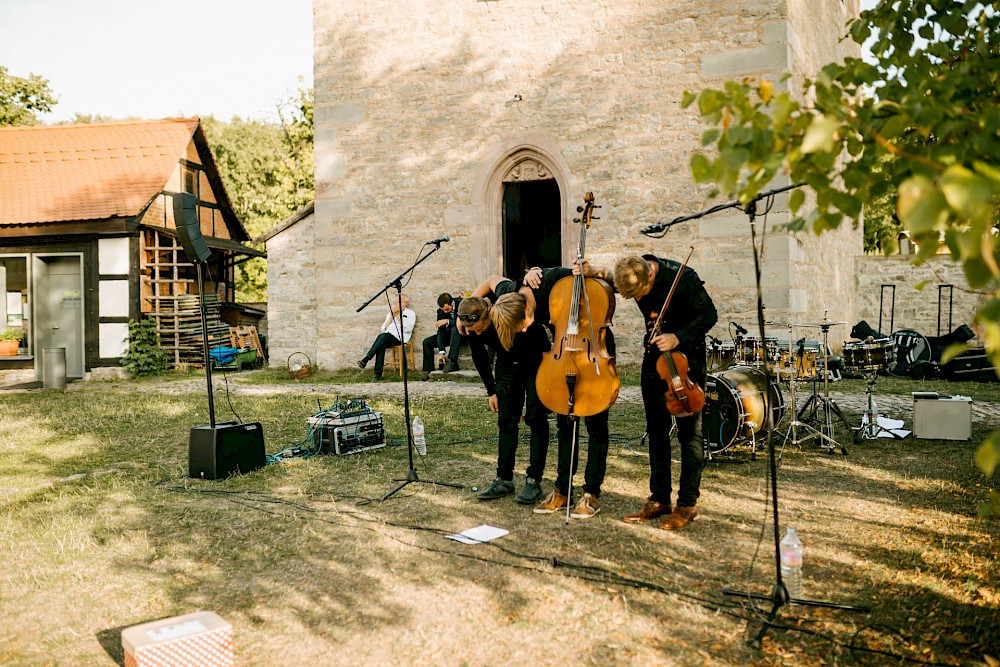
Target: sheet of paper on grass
[(889, 426), (478, 535)]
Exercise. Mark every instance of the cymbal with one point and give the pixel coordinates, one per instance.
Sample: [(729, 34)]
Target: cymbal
[(823, 324)]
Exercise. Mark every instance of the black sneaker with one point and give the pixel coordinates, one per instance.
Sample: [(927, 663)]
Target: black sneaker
[(498, 489), (531, 493), (451, 366), (362, 363)]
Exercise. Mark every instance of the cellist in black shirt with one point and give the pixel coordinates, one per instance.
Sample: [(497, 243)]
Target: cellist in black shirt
[(690, 316)]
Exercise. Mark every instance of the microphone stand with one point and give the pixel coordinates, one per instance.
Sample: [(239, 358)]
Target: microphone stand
[(779, 593), (661, 228), (397, 282)]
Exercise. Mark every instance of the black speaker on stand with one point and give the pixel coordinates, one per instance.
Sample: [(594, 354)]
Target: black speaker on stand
[(215, 451)]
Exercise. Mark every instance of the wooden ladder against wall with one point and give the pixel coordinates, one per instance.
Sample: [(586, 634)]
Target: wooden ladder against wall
[(173, 301)]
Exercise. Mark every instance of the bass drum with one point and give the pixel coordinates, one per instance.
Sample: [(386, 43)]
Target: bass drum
[(735, 406), (911, 348)]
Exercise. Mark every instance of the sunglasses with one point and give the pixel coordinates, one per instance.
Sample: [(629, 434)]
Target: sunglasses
[(469, 318)]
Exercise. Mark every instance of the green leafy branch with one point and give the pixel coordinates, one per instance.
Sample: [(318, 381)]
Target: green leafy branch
[(919, 122)]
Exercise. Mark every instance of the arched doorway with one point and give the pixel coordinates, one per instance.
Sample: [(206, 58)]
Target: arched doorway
[(523, 196), (531, 219)]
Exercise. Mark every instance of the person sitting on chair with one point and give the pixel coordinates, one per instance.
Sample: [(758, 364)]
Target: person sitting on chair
[(446, 336), (392, 332)]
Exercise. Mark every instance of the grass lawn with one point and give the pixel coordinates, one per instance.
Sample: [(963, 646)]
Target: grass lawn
[(100, 529)]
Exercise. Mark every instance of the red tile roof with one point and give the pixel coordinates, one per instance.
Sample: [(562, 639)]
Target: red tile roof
[(87, 172)]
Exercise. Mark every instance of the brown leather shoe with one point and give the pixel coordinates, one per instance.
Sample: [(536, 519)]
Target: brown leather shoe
[(650, 510), (679, 518)]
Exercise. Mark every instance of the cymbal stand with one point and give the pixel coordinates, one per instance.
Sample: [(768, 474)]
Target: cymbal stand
[(870, 429), (828, 404), (794, 424)]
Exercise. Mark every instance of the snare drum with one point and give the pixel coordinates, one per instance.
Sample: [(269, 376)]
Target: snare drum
[(797, 365), (735, 406), (870, 356), (752, 350)]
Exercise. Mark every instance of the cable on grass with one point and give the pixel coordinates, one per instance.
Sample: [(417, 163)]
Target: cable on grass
[(580, 571)]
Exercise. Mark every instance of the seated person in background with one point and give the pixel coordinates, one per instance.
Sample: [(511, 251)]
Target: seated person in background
[(392, 332), (447, 336)]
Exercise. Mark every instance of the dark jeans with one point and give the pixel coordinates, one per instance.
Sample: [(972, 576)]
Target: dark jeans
[(516, 389), (382, 343), (445, 337), (597, 453), (658, 431)]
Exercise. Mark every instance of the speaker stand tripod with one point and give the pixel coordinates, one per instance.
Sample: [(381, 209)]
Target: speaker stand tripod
[(397, 283)]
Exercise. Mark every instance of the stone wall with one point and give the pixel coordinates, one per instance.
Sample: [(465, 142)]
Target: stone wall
[(291, 293), (422, 107), (915, 309)]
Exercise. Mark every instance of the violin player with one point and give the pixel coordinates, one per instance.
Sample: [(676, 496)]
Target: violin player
[(685, 323)]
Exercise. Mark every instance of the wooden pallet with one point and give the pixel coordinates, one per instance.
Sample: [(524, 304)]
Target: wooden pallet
[(246, 336)]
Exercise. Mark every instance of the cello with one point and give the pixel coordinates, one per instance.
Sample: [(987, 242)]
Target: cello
[(684, 397), (578, 377)]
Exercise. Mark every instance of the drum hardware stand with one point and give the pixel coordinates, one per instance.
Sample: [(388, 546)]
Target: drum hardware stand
[(829, 405), (870, 429), (397, 283), (794, 424)]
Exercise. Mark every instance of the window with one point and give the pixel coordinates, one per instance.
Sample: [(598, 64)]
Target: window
[(14, 306)]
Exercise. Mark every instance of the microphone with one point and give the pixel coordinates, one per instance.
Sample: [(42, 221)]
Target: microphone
[(739, 330), (439, 240)]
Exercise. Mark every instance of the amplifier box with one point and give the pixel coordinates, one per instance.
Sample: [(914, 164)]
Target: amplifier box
[(336, 433), (202, 638), (225, 450), (939, 418)]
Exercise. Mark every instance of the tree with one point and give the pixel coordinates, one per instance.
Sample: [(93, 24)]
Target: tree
[(21, 99), (920, 124), (267, 169)]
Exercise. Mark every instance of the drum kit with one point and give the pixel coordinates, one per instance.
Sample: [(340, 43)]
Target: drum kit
[(738, 395)]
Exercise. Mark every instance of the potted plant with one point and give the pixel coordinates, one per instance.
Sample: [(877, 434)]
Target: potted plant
[(10, 340)]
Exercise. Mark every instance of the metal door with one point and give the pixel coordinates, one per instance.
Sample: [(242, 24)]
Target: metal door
[(59, 310)]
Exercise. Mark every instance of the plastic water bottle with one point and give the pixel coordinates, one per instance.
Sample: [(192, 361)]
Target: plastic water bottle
[(791, 563), (418, 436)]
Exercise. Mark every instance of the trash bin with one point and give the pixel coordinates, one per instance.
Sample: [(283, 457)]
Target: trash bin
[(54, 367)]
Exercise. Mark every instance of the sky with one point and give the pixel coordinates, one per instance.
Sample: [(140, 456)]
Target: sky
[(156, 59)]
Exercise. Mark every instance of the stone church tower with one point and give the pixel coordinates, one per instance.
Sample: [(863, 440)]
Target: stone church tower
[(488, 120)]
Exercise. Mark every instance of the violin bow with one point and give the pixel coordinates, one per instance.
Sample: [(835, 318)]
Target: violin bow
[(666, 302)]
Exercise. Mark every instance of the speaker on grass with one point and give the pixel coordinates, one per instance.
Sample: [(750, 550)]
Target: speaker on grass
[(189, 228), (225, 449)]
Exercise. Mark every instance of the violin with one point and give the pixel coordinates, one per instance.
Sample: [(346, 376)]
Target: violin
[(683, 397), (578, 377)]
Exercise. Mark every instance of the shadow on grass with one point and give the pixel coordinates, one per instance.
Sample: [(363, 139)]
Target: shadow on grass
[(304, 546)]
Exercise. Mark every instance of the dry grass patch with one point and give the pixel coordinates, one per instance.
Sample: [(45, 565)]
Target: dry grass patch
[(100, 529)]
